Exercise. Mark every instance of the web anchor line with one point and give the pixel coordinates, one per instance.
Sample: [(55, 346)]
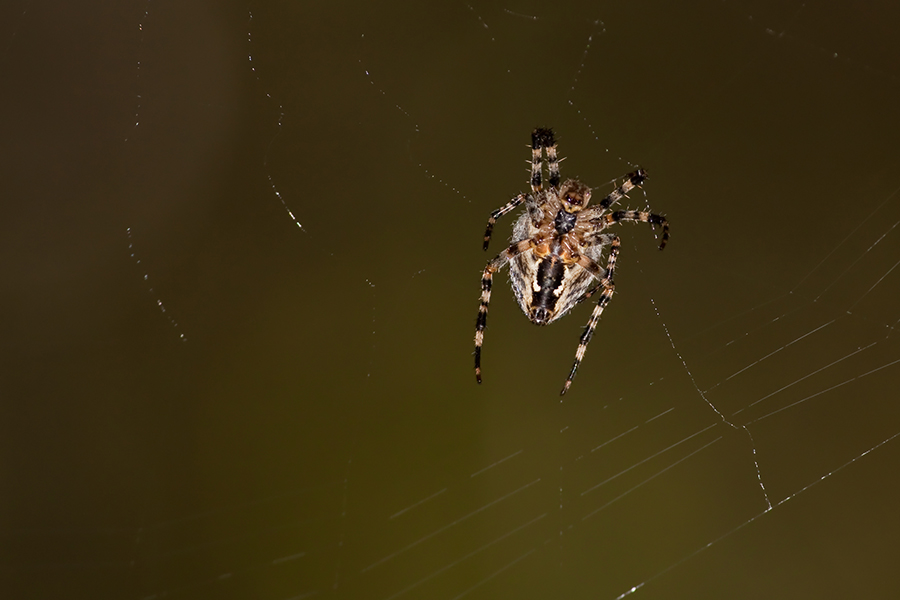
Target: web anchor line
[(752, 519), (278, 125), (159, 302), (415, 126), (715, 409)]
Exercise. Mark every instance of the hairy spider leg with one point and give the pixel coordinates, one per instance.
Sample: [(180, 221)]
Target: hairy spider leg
[(604, 239), (543, 138), (537, 142), (512, 204), (632, 180), (608, 290), (553, 163), (643, 216), (540, 138), (492, 267)]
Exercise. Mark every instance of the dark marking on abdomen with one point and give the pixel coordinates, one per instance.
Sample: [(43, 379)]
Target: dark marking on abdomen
[(550, 274)]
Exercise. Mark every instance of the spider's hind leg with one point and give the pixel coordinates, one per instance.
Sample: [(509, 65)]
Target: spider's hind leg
[(604, 239), (608, 289), (486, 279)]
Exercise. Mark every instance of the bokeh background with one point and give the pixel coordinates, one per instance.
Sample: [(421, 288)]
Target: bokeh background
[(241, 247)]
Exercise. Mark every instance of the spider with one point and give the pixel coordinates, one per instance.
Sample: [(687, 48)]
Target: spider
[(556, 248)]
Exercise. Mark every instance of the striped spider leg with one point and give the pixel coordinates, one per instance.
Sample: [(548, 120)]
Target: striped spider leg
[(597, 215), (492, 267), (606, 282), (540, 138)]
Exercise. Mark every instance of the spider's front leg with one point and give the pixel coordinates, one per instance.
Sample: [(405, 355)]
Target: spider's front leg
[(492, 267), (644, 217), (598, 215), (512, 204), (632, 180), (606, 282)]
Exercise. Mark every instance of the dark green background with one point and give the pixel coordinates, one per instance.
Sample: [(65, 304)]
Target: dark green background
[(325, 384)]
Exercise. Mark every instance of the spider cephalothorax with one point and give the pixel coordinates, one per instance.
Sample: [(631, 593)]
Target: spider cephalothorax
[(557, 246), (574, 195)]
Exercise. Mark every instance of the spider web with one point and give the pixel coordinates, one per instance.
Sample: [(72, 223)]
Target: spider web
[(244, 251)]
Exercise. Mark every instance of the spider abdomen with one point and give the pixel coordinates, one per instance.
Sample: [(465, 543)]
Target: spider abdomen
[(547, 288)]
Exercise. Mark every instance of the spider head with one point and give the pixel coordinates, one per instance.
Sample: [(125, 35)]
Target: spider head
[(574, 195)]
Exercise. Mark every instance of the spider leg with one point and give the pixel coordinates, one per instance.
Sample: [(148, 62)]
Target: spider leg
[(589, 293), (632, 180), (492, 267), (540, 139), (608, 289), (543, 138), (512, 204), (604, 239), (552, 162), (644, 216)]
